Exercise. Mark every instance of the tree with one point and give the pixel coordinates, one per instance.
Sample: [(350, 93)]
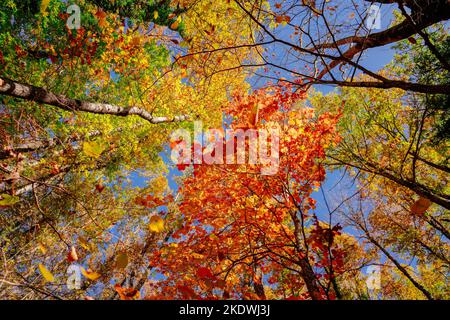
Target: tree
[(402, 209), (251, 236), (86, 184), (417, 60), (63, 167), (323, 42)]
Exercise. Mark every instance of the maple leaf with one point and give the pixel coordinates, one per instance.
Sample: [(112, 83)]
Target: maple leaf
[(99, 187), (93, 149), (205, 273), (101, 16), (187, 292)]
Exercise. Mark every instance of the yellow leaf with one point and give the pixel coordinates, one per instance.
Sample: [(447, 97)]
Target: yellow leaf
[(84, 244), (42, 248), (156, 224), (91, 275), (92, 149), (8, 200), (155, 15), (197, 256), (48, 276), (44, 6)]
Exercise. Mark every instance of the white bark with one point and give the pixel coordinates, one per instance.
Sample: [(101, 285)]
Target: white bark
[(41, 95)]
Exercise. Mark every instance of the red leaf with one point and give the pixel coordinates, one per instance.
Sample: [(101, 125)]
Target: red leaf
[(187, 292), (204, 273), (99, 187), (72, 255)]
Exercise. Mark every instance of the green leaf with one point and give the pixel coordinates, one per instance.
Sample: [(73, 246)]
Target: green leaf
[(8, 200)]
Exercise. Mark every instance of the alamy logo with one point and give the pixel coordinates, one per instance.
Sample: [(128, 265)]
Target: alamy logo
[(74, 20), (373, 19), (216, 146), (74, 280), (373, 281)]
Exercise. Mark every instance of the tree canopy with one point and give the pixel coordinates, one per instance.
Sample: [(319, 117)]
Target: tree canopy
[(93, 206)]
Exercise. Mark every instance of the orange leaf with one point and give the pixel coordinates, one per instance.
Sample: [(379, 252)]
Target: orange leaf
[(127, 293), (420, 206), (101, 16), (72, 255), (253, 117), (279, 19), (91, 275)]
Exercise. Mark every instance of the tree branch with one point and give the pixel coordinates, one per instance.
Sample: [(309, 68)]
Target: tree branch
[(41, 95)]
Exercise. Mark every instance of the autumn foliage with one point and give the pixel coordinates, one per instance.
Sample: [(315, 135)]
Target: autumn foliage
[(355, 204)]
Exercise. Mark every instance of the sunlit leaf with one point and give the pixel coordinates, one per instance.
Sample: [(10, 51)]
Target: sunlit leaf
[(91, 275), (48, 276), (42, 248), (72, 255), (156, 224), (93, 148), (44, 6), (8, 200)]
